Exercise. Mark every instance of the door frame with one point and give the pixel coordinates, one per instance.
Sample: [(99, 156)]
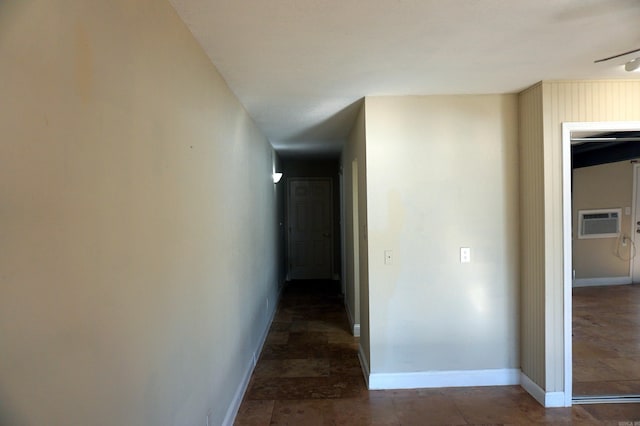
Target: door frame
[(355, 221), (567, 220)]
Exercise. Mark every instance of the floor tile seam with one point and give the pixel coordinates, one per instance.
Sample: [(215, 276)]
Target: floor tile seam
[(456, 408), (530, 419)]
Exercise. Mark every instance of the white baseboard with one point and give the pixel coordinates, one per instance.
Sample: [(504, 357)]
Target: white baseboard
[(364, 365), (546, 399), (588, 282), (232, 411), (355, 327), (441, 379), (462, 378)]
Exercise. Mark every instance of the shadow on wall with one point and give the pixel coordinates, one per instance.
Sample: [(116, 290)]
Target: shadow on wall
[(8, 417)]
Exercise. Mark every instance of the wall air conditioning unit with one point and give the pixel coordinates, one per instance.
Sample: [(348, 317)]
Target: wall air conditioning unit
[(601, 223)]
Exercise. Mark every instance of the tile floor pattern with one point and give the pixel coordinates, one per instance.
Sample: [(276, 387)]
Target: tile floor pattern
[(308, 374), (606, 340)]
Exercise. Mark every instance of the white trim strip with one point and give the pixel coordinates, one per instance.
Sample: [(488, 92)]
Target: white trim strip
[(234, 406), (441, 379), (232, 411), (356, 330)]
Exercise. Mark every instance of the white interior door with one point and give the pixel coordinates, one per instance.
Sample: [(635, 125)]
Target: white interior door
[(310, 216)]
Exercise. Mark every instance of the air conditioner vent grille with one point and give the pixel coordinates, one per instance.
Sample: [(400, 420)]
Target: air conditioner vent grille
[(603, 223)]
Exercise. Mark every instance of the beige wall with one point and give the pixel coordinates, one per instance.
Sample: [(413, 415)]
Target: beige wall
[(532, 296), (598, 187), (357, 285), (138, 220), (558, 102), (442, 174)]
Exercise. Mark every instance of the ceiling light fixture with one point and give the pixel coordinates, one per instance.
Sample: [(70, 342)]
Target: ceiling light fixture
[(633, 65), (277, 177)]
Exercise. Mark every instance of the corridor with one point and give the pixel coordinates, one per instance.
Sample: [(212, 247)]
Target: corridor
[(308, 374)]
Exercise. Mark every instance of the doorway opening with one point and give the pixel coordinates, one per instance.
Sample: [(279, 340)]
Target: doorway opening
[(599, 208), (310, 228), (312, 208)]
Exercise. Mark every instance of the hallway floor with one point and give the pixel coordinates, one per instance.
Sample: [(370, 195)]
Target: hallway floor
[(309, 374)]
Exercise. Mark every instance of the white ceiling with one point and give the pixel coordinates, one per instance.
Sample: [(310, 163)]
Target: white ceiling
[(300, 66)]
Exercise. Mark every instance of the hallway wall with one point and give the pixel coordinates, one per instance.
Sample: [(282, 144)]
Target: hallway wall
[(138, 220), (442, 174), (356, 243)]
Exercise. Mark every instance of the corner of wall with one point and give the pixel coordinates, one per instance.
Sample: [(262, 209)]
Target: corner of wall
[(546, 399)]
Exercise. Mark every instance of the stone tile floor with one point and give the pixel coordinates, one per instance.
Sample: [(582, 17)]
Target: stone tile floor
[(309, 374)]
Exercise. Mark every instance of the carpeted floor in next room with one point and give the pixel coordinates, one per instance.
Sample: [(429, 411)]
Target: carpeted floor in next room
[(308, 374)]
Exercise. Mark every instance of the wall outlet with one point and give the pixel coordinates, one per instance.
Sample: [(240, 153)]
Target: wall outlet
[(388, 257), (465, 254)]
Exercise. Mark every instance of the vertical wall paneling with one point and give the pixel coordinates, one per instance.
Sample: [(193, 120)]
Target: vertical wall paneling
[(532, 345), (356, 297), (559, 102), (571, 101)]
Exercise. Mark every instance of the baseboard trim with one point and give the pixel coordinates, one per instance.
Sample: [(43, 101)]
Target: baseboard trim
[(462, 378), (232, 411), (546, 399), (441, 379), (355, 327), (588, 282), (364, 365)]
